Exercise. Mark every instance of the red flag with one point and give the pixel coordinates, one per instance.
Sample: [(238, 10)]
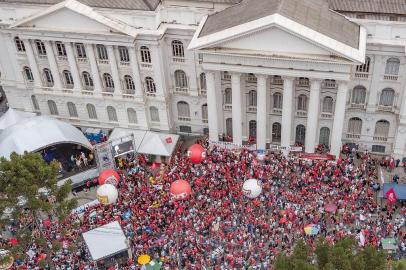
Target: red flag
[(168, 140), (391, 196)]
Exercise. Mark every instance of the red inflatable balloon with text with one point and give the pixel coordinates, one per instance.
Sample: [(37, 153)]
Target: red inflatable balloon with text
[(180, 189), (196, 153), (109, 177)]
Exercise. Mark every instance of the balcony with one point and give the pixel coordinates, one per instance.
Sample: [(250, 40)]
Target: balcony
[(277, 81), (252, 109), (68, 85), (62, 58), (203, 92), (277, 111), (381, 138), (389, 77), (361, 75), (182, 90), (184, 119), (357, 106), (108, 92), (48, 84), (385, 108), (128, 96), (42, 57), (252, 79), (227, 107), (227, 77), (301, 113), (88, 87), (149, 94), (178, 59), (205, 121), (125, 63), (146, 65), (103, 61), (326, 115), (82, 60), (329, 84), (353, 136), (87, 92), (303, 83)]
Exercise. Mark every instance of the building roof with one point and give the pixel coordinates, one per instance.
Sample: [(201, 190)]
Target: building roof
[(369, 6), (314, 14)]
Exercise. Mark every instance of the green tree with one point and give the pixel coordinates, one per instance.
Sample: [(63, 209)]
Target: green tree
[(282, 262), (322, 253), (29, 193), (374, 259), (400, 265)]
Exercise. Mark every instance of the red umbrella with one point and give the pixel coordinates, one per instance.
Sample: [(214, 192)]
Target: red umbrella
[(330, 207), (283, 220), (46, 223), (13, 241)]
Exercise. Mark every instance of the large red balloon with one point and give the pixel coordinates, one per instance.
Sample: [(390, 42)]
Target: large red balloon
[(180, 189), (196, 153), (109, 177)]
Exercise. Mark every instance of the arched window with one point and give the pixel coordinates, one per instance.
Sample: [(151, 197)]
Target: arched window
[(28, 74), (355, 126), (183, 110), (252, 128), (49, 79), (327, 105), (112, 114), (35, 102), (387, 97), (252, 98), (277, 101), (108, 82), (72, 109), (132, 116), (87, 80), (205, 113), (203, 84), (40, 47), (358, 95), (150, 85), (365, 67), (123, 52), (91, 111), (276, 132), (129, 84), (392, 66), (324, 136), (102, 52), (67, 76), (382, 128), (53, 110), (19, 44), (302, 103), (181, 80), (154, 113), (145, 54), (229, 127), (228, 96), (177, 49), (300, 134)]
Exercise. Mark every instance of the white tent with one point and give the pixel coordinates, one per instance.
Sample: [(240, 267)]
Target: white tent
[(147, 142), (35, 133), (12, 117), (105, 241)]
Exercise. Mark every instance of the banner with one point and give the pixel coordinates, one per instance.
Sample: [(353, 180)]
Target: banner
[(391, 196), (233, 146), (123, 145), (104, 156), (274, 147)]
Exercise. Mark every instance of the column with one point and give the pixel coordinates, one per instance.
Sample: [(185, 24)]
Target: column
[(73, 66), (98, 86), (53, 65), (33, 63), (313, 116), (212, 107), (400, 141), (114, 69), (287, 111), (157, 65), (236, 111), (339, 116), (136, 72), (261, 112)]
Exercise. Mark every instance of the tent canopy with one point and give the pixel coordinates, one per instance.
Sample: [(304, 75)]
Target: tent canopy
[(147, 142), (12, 117), (105, 241), (36, 133), (400, 190)]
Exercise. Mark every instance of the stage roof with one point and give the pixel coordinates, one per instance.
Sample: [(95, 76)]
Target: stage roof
[(12, 117)]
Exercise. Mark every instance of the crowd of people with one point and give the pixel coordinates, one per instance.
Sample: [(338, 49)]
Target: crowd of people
[(217, 227)]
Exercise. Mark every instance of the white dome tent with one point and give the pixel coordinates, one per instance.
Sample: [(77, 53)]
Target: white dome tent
[(12, 117)]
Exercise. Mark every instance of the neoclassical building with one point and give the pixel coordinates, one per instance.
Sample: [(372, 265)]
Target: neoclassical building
[(282, 72)]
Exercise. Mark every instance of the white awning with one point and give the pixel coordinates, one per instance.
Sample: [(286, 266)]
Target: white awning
[(12, 117), (105, 241)]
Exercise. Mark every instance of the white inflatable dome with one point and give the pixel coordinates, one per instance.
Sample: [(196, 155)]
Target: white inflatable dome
[(107, 194), (252, 188)]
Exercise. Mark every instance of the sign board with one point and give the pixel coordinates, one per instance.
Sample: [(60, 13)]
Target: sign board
[(233, 146), (123, 146), (274, 147), (104, 156)]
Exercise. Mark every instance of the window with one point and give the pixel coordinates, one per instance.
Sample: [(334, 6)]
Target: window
[(327, 105), (91, 111), (35, 103), (302, 103), (28, 74), (277, 101), (203, 84), (177, 49), (300, 134), (123, 52), (324, 136), (181, 80), (387, 97), (252, 98), (102, 52), (276, 132), (112, 114), (252, 128), (358, 95), (228, 96), (68, 78), (49, 79), (129, 84), (365, 67), (53, 110), (87, 79), (19, 44), (40, 47), (183, 110), (60, 48), (378, 148), (392, 66), (355, 126), (108, 81), (185, 129), (229, 127), (150, 85), (72, 109), (154, 113), (145, 54), (205, 114), (382, 128), (132, 116), (80, 50)]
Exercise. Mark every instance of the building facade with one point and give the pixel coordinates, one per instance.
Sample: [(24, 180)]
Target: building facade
[(283, 72)]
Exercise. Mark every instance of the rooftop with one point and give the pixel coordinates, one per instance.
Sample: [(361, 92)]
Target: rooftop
[(369, 6)]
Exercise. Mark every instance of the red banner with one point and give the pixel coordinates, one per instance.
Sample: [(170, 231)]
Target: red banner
[(315, 156), (391, 196)]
